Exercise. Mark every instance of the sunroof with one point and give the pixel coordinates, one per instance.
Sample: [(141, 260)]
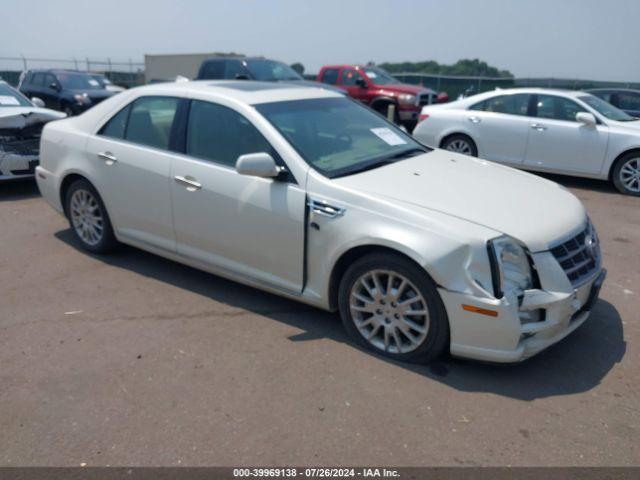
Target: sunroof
[(251, 85)]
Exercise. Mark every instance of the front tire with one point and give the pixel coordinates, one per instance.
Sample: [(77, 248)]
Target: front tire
[(391, 306), (460, 144), (626, 174), (88, 218)]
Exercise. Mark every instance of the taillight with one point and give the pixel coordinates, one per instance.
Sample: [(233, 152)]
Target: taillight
[(423, 116)]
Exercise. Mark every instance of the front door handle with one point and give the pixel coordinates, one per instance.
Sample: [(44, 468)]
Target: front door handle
[(474, 119), (108, 157), (538, 127), (191, 183)]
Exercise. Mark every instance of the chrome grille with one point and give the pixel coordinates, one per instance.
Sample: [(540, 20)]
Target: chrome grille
[(579, 257), (426, 99)]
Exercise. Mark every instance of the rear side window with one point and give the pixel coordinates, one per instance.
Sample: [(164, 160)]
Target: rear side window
[(115, 127), (557, 108), (150, 121), (221, 134), (330, 76), (212, 70), (517, 104), (627, 101), (147, 121)]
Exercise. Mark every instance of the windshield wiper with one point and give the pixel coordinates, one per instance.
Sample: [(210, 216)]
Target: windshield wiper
[(410, 152)]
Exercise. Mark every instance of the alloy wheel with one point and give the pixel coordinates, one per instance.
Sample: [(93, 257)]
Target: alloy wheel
[(460, 146), (630, 175), (389, 311), (86, 217)]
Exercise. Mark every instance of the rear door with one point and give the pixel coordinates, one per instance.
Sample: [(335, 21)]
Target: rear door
[(557, 142), (253, 227), (132, 159), (500, 126)]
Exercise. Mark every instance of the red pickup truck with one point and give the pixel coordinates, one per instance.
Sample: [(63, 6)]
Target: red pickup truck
[(376, 88)]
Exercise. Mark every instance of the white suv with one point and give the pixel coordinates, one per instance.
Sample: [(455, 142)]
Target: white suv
[(309, 195)]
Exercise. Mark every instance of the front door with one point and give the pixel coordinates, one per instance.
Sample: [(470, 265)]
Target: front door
[(249, 226), (132, 165), (557, 142)]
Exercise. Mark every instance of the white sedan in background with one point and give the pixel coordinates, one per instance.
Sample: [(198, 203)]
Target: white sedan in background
[(310, 195), (557, 131)]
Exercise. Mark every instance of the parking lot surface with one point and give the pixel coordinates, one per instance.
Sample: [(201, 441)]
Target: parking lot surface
[(130, 359)]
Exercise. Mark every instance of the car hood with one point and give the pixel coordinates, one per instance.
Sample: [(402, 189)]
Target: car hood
[(405, 88), (20, 117), (538, 212), (93, 93)]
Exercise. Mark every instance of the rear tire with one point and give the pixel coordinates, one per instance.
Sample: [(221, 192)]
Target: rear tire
[(391, 306), (626, 174), (460, 143), (88, 218)]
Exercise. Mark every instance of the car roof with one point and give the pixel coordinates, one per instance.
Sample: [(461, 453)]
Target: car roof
[(529, 90), (55, 70), (249, 92), (612, 89)]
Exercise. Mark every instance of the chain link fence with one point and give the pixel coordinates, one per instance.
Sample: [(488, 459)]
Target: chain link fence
[(126, 74), (456, 86)]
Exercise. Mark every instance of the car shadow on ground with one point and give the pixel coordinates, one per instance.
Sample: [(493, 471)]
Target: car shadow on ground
[(577, 364), (18, 190)]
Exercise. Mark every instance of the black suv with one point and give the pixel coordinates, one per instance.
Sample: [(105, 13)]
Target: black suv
[(70, 91), (255, 68)]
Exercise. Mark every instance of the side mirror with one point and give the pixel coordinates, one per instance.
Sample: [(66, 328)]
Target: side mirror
[(38, 102), (241, 76), (586, 118), (258, 165), (361, 82)]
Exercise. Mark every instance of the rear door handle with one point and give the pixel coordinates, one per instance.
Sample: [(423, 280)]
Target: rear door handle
[(191, 183), (474, 119), (108, 157), (538, 127)]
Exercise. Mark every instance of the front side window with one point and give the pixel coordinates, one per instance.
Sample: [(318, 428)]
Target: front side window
[(606, 109), (517, 104), (330, 76), (221, 135), (12, 98), (557, 108), (234, 69), (337, 136), (349, 77)]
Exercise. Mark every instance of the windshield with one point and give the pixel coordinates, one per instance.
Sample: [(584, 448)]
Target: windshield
[(78, 81), (337, 136), (380, 77), (269, 70), (12, 98), (606, 109)]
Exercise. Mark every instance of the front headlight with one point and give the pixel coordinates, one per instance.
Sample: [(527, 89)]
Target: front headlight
[(81, 98), (511, 270), (407, 99)]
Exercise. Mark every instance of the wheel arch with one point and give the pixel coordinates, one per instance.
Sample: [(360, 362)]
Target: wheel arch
[(353, 254), (619, 157), (450, 134), (66, 182), (382, 100)]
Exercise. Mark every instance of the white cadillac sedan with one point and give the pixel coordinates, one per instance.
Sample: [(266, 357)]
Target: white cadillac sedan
[(557, 131), (307, 194)]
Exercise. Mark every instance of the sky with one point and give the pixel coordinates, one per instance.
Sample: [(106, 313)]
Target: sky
[(587, 39)]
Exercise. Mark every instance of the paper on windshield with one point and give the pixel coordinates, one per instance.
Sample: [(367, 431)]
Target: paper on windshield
[(8, 100), (388, 136)]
